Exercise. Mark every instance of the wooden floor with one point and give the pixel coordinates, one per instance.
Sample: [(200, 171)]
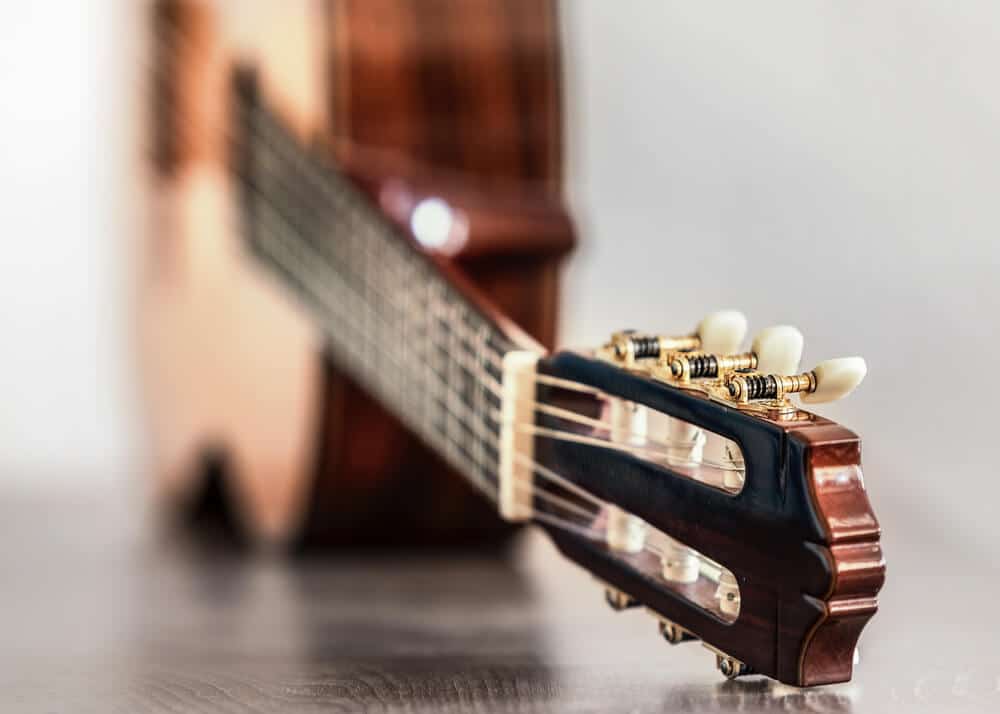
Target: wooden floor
[(99, 613)]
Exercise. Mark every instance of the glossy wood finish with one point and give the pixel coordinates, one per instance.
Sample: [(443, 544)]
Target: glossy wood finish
[(460, 100), (852, 535), (800, 537)]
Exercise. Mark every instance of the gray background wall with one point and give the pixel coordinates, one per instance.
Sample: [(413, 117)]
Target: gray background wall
[(834, 166), (831, 165)]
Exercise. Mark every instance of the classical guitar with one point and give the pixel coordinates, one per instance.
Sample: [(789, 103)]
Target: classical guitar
[(348, 317)]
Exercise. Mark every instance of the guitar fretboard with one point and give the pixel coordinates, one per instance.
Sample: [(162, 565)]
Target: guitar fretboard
[(392, 322)]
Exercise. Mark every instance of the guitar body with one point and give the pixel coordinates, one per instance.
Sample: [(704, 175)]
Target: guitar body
[(248, 413)]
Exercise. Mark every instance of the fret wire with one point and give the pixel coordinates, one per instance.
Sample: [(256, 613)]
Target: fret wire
[(547, 516), (451, 401), (482, 389), (457, 354), (359, 223), (369, 247), (456, 455), (472, 422)]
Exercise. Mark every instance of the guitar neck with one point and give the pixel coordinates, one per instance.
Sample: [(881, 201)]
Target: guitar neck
[(391, 319)]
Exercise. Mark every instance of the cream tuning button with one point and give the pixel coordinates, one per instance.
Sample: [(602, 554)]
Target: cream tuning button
[(835, 379), (778, 350), (722, 332)]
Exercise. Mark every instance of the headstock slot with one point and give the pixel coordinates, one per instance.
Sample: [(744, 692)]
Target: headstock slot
[(647, 434), (709, 585)]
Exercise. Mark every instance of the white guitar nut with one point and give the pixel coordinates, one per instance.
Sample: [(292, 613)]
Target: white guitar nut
[(516, 473)]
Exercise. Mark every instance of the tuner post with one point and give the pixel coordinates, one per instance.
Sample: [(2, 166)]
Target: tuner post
[(684, 368), (720, 332), (775, 350), (629, 346), (826, 382), (750, 387)]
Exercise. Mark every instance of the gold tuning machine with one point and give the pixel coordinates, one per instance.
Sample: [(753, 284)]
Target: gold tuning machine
[(684, 368), (775, 350), (630, 346), (826, 382), (721, 332)]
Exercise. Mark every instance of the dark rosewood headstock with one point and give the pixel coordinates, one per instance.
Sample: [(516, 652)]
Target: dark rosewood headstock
[(782, 546)]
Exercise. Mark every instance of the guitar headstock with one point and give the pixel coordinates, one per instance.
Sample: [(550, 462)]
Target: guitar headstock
[(679, 471)]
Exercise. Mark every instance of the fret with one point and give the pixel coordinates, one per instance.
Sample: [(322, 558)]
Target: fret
[(456, 374), (456, 451), (479, 403)]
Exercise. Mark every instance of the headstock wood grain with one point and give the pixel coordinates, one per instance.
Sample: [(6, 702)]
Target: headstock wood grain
[(675, 469)]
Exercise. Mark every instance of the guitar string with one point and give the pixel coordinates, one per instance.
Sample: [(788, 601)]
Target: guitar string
[(575, 509), (604, 442), (584, 530), (493, 385), (531, 428), (567, 507), (528, 427), (486, 435), (539, 469), (535, 490), (649, 448)]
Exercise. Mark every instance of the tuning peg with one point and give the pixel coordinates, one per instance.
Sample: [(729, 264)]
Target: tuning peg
[(721, 332), (776, 350), (826, 382), (835, 379)]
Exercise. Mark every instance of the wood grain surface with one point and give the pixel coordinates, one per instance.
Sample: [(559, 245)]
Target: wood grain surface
[(100, 611)]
